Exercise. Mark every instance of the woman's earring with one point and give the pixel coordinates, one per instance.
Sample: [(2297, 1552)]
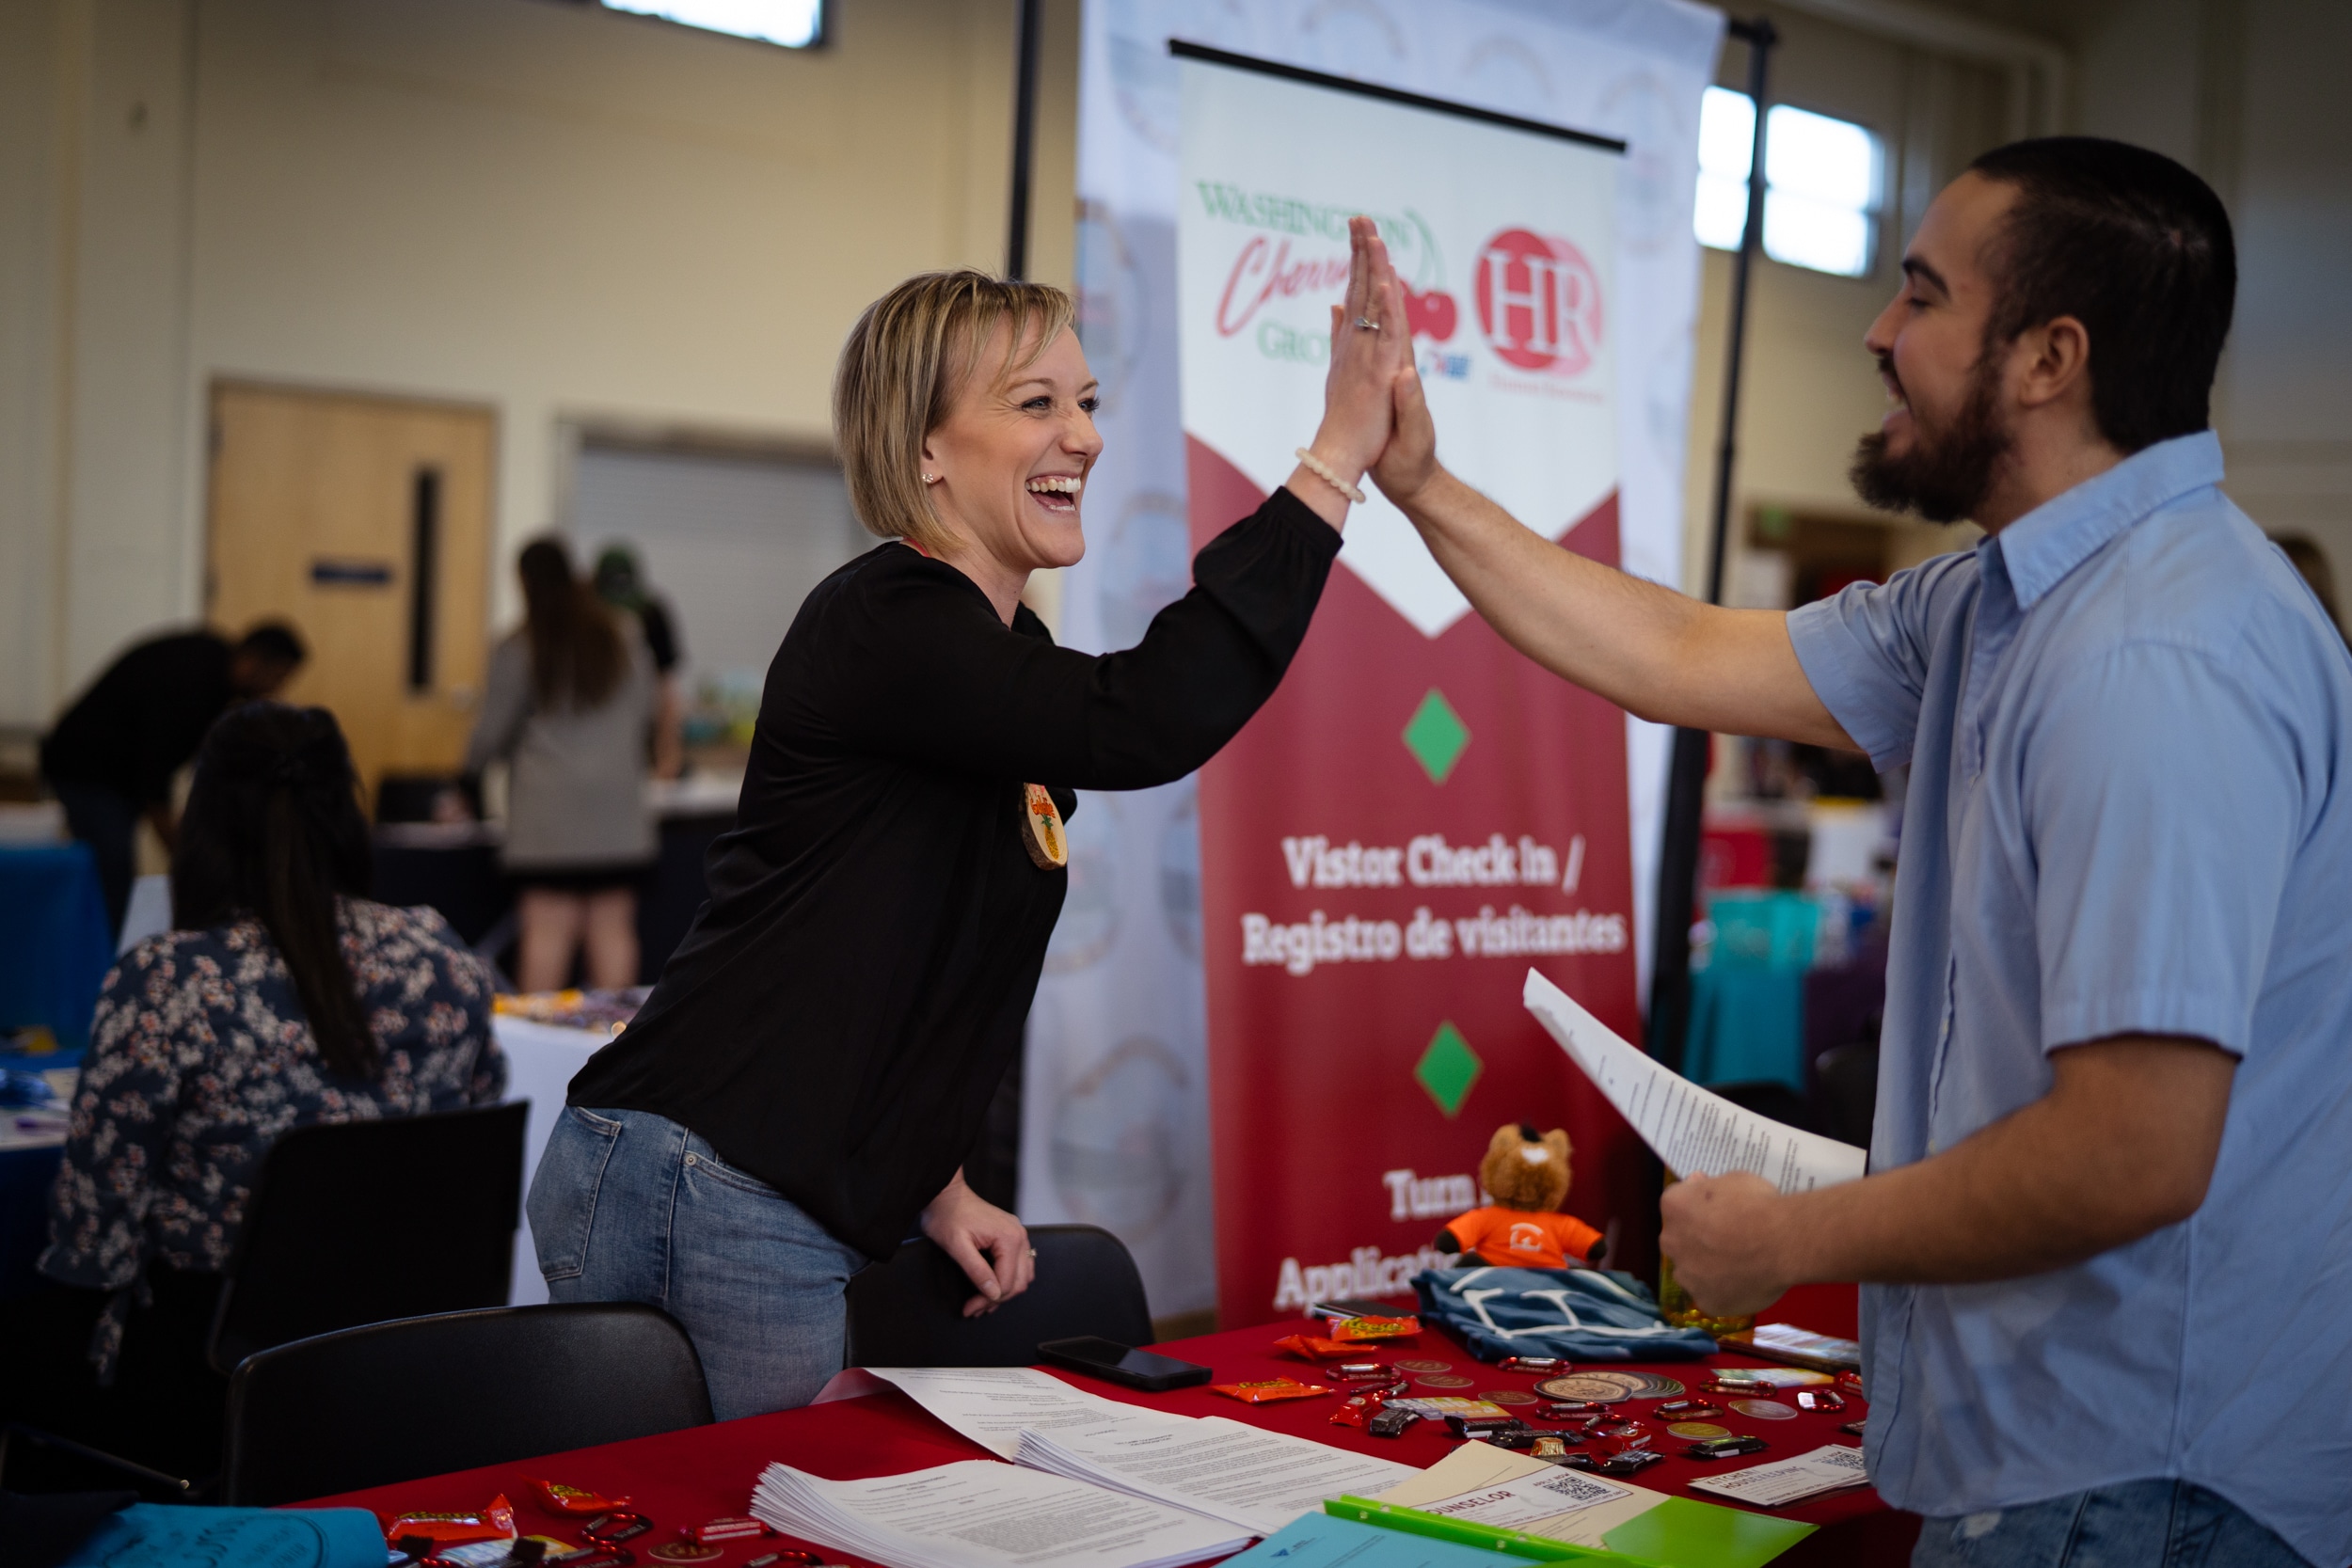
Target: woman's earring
[(931, 479)]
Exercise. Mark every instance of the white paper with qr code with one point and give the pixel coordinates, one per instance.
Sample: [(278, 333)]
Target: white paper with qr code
[(1694, 1132), (1512, 1504), (1788, 1481)]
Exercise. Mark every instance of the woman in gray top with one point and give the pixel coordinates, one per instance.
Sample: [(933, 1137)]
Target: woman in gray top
[(570, 702)]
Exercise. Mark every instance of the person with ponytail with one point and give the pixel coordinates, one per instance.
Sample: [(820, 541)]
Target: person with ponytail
[(570, 709), (282, 998)]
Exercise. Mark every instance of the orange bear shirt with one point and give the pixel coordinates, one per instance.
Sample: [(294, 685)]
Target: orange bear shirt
[(1515, 1239)]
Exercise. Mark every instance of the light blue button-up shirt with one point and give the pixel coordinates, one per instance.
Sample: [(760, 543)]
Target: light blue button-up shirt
[(2129, 726)]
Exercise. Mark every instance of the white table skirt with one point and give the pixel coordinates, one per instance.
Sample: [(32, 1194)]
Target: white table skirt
[(540, 1061)]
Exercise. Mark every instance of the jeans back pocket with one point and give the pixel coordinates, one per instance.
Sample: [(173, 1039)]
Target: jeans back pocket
[(562, 1202)]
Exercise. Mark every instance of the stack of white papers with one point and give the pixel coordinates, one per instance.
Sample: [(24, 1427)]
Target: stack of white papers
[(978, 1513), (1787, 1481), (995, 1406), (1243, 1476)]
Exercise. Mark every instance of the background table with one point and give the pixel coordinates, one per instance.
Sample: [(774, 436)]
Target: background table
[(685, 1478), (540, 1061), (55, 940)]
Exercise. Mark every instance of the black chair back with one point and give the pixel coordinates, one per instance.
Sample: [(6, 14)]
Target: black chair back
[(909, 1311), (396, 1401), (355, 1222)]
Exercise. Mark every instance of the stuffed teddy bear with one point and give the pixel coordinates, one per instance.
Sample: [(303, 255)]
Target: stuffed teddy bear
[(1526, 1173)]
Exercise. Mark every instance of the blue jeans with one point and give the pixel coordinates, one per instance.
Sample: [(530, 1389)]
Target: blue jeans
[(629, 1206), (2139, 1524)]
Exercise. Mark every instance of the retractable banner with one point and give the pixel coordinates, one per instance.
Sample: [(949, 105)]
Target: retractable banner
[(1418, 814), (1301, 976)]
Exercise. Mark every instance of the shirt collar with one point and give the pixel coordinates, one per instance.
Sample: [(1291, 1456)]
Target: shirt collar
[(2041, 547)]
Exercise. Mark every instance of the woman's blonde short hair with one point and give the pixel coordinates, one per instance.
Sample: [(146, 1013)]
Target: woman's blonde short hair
[(908, 356)]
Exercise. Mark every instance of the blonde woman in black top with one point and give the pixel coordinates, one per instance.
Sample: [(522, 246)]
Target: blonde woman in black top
[(802, 1089)]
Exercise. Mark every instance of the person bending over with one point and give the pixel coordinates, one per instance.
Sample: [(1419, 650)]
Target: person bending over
[(2102, 1235), (282, 998), (801, 1091), (111, 757)]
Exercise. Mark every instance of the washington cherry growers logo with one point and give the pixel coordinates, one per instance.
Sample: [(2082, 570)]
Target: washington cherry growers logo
[(1538, 302)]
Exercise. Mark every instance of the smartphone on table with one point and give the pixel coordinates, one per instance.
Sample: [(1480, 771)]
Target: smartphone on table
[(1123, 1364)]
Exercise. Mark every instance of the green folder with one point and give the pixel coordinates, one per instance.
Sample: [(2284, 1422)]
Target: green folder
[(1679, 1533)]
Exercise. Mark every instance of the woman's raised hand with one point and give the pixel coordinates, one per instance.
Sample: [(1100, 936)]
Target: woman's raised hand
[(1367, 360)]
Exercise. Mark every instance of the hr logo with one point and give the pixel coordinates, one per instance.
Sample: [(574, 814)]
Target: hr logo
[(1538, 302)]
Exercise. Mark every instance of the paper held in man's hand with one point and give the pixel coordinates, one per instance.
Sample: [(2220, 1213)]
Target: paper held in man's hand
[(1694, 1132)]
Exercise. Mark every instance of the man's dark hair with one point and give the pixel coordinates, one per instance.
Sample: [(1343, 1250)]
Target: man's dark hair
[(274, 642), (2138, 249)]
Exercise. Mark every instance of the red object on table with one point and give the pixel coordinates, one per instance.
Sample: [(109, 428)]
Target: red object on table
[(684, 1479)]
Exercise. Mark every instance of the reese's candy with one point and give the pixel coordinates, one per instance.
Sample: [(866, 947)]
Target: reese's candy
[(1315, 1347), (1359, 1410), (574, 1499), (1364, 1330), (1268, 1391), (494, 1523)]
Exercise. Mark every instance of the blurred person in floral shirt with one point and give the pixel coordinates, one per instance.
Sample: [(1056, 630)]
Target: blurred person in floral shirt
[(282, 998)]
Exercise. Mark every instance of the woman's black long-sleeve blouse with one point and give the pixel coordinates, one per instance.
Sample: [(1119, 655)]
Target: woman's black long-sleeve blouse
[(846, 1003)]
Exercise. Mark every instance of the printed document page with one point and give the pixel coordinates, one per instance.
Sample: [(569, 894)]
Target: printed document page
[(1787, 1480), (1695, 1132), (1257, 1479), (1486, 1485), (980, 1514), (994, 1405)]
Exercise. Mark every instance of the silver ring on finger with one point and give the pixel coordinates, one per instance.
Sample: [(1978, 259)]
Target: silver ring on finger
[(1367, 325)]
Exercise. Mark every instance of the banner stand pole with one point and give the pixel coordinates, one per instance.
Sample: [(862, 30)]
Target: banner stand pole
[(1686, 778), (1024, 140)]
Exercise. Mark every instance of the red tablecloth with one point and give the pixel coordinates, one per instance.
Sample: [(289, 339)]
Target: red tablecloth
[(684, 1478)]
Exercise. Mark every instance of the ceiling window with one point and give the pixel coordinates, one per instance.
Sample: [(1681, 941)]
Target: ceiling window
[(794, 24), (1821, 183)]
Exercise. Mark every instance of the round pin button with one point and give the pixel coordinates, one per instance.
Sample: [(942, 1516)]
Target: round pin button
[(1764, 1410)]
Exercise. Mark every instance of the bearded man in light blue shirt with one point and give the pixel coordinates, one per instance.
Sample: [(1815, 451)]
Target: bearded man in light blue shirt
[(2106, 1236)]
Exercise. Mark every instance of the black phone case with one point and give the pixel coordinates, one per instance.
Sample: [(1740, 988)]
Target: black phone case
[(1156, 1382)]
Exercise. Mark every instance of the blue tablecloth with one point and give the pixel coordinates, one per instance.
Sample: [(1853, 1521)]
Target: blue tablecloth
[(55, 943)]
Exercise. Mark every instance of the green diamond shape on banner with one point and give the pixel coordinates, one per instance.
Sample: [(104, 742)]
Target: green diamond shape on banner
[(1447, 1069), (1436, 735)]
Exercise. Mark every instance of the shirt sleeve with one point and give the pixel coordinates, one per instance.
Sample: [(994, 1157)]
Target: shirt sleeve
[(1864, 650), (124, 1113), (2163, 801), (505, 703), (925, 673)]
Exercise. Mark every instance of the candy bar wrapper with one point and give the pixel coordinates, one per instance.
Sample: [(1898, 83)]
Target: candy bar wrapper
[(575, 1500), (1359, 1331), (1315, 1347), (1268, 1391), (494, 1523)]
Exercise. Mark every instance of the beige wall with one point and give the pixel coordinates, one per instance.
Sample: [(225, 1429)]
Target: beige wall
[(2248, 92), (564, 213)]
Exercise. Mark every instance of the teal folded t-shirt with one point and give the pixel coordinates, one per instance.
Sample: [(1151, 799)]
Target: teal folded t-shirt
[(152, 1535)]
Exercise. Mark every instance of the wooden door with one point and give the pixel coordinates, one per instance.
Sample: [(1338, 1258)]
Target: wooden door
[(366, 523)]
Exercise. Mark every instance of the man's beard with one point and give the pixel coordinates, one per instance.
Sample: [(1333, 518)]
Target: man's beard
[(1949, 470)]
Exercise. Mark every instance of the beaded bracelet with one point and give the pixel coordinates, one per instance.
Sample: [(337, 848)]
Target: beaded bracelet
[(1323, 472)]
